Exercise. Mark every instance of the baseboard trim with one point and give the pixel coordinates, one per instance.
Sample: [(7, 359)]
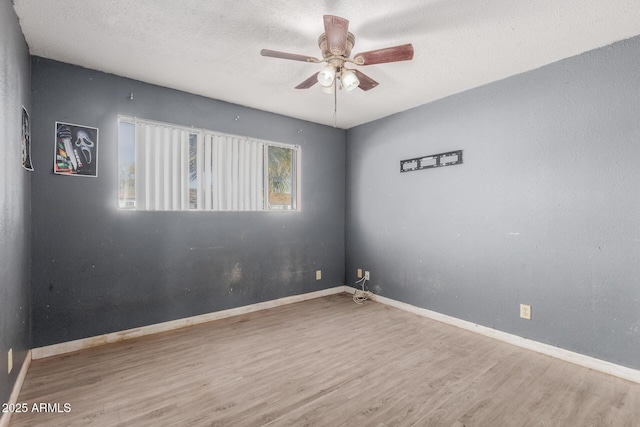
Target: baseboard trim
[(558, 353), (549, 350), (15, 393), (70, 346)]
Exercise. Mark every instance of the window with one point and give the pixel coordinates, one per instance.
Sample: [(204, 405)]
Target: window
[(281, 172), (169, 167)]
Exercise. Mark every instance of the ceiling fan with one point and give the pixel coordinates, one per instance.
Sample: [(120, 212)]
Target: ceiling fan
[(336, 43)]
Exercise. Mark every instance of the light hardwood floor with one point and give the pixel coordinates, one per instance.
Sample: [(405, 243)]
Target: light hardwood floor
[(324, 362)]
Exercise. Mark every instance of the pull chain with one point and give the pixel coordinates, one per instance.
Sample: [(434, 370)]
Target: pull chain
[(335, 103)]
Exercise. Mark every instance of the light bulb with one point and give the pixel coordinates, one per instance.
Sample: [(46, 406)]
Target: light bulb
[(330, 90), (326, 76), (349, 80)]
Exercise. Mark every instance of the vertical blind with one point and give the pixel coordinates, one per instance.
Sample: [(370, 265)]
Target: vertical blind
[(162, 167), (232, 173), (179, 169)]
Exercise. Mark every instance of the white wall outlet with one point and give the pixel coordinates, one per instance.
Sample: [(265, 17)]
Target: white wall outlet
[(10, 360), (318, 274), (525, 311), (359, 273), (367, 276)]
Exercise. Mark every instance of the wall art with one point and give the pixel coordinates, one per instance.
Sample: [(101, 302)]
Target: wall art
[(26, 141), (76, 150)]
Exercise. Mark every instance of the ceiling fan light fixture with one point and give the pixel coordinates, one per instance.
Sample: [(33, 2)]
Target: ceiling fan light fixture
[(329, 90), (349, 80), (336, 44), (326, 76)]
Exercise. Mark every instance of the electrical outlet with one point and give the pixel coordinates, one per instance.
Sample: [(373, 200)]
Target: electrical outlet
[(10, 360), (359, 273), (525, 311), (367, 276), (318, 274)]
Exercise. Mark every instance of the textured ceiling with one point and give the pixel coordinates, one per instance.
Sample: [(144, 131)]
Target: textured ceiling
[(212, 48)]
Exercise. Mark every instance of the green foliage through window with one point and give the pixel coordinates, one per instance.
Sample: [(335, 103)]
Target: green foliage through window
[(280, 172)]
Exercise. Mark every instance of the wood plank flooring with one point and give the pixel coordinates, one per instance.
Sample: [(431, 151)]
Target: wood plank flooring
[(324, 362)]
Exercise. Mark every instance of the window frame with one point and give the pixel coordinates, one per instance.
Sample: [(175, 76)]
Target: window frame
[(200, 133)]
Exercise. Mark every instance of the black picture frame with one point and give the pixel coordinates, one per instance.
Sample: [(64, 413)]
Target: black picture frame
[(26, 141), (76, 150)]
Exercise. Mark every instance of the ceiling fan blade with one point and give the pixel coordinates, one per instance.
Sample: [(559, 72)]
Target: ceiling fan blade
[(309, 82), (389, 54), (285, 55), (336, 30), (366, 82)]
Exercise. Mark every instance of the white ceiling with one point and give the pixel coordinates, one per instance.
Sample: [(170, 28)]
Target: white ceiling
[(212, 47)]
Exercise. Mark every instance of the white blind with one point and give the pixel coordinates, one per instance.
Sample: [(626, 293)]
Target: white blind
[(162, 167), (232, 173), (229, 170)]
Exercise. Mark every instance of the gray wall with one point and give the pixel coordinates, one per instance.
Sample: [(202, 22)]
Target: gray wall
[(14, 199), (544, 211), (98, 270)]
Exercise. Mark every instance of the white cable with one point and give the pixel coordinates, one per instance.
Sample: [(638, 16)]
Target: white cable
[(359, 297)]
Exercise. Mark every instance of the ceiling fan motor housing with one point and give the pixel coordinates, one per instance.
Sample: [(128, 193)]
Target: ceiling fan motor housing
[(322, 44)]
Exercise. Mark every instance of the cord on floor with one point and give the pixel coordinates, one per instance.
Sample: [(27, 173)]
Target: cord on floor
[(360, 296)]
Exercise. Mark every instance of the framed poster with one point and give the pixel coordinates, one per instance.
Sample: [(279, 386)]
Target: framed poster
[(76, 151), (26, 141)]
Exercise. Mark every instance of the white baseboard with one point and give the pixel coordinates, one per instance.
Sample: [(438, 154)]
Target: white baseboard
[(549, 350), (15, 393), (558, 353), (69, 346)]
